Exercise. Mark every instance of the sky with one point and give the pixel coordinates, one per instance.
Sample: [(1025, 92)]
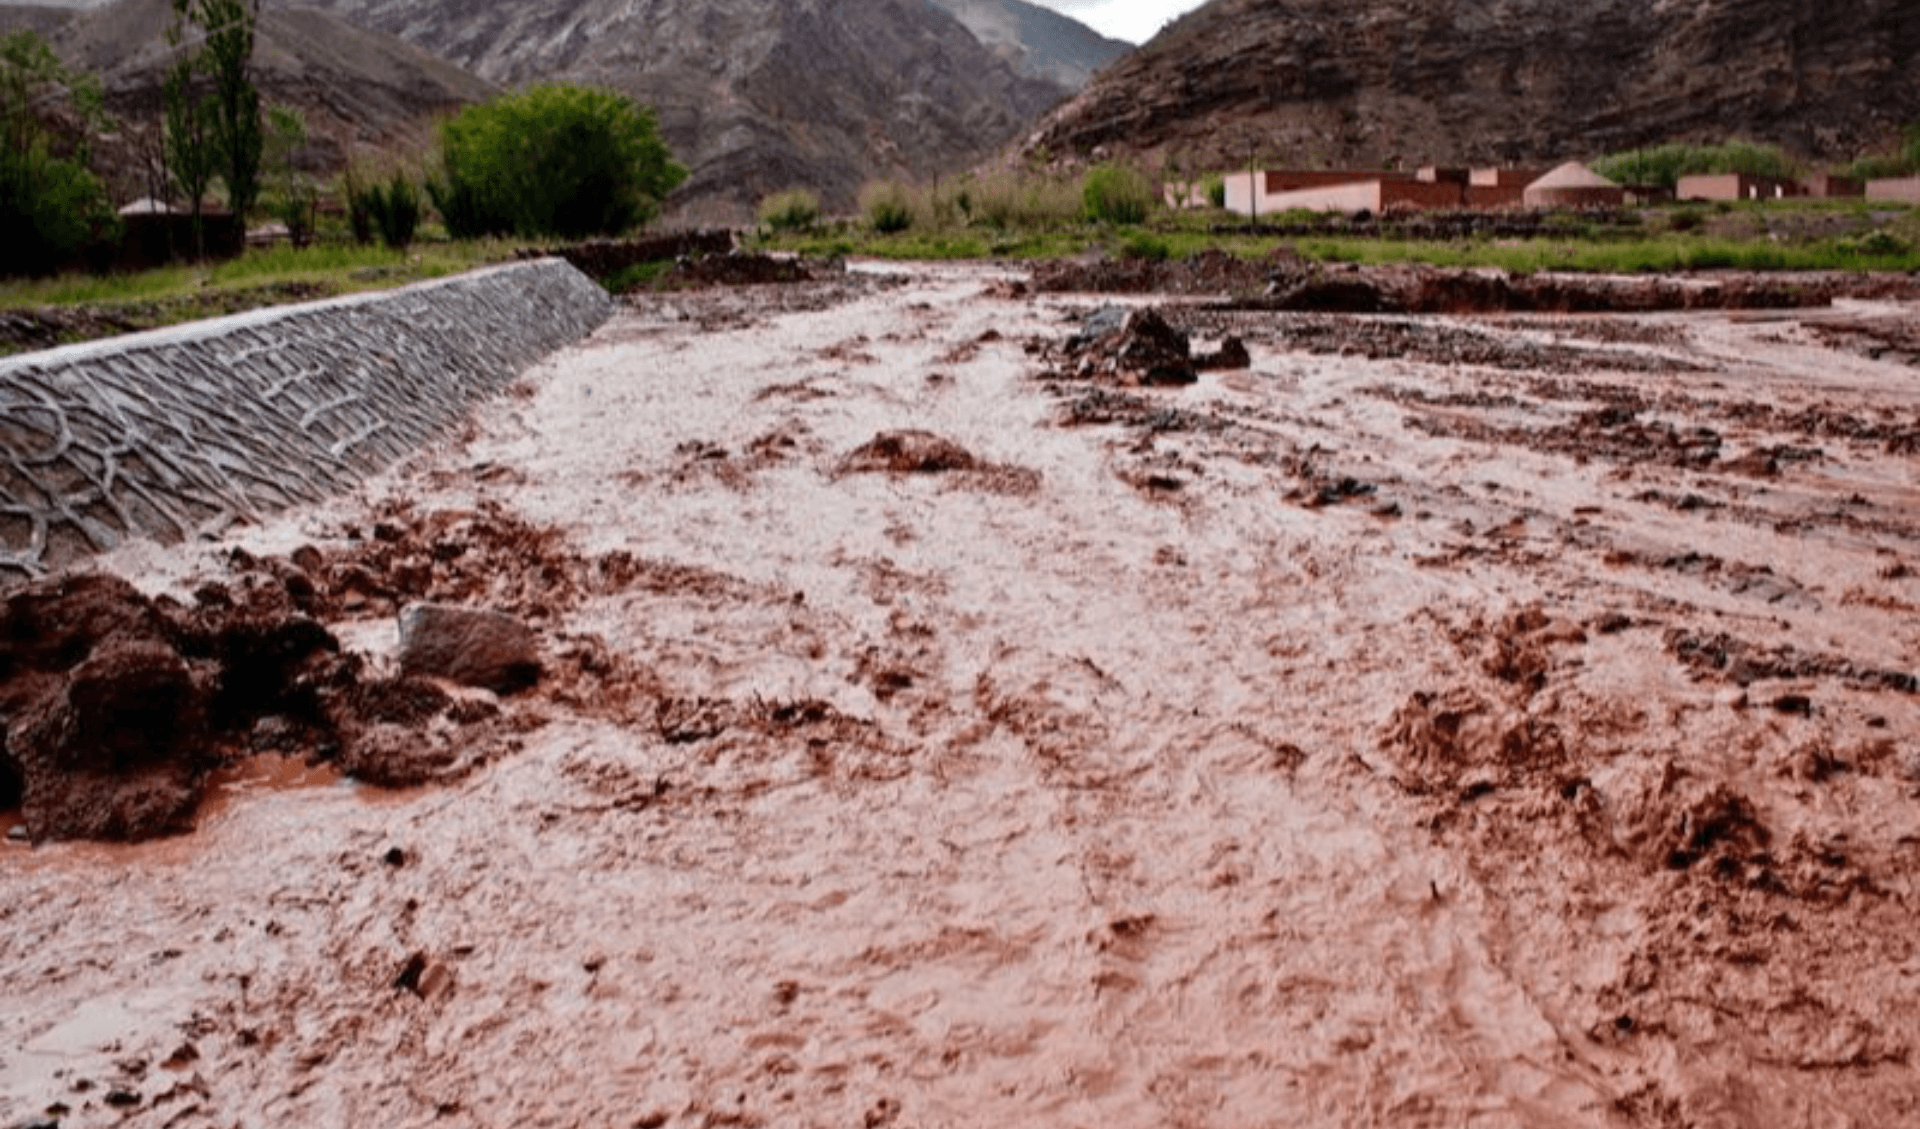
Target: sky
[(1135, 21)]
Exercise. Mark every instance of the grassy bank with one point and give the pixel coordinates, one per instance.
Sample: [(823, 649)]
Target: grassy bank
[(1797, 236), (338, 268)]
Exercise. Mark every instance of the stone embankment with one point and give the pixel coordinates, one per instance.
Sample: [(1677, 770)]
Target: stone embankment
[(160, 433)]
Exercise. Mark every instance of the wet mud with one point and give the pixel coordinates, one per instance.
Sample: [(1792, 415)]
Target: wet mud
[(1504, 720), (1284, 281)]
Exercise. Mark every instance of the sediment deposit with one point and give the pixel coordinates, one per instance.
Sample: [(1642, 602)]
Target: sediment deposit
[(1480, 720)]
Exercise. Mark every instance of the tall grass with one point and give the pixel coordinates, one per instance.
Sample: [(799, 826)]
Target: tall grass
[(1903, 161), (1666, 164)]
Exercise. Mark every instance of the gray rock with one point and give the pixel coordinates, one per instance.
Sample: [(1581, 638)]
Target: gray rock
[(475, 648)]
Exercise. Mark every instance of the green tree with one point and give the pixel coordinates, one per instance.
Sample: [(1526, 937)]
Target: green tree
[(189, 141), (555, 160), (50, 203), (295, 198), (227, 28)]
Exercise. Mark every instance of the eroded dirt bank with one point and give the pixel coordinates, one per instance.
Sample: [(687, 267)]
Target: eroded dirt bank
[(1486, 721)]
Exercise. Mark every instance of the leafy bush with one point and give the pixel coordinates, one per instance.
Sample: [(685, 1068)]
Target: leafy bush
[(888, 206), (1666, 164), (391, 207), (397, 211), (1216, 187), (1873, 243), (796, 209), (1116, 194), (51, 205), (558, 160)]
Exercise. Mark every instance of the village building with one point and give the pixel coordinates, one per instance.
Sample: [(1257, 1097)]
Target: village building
[(1574, 185), (1903, 189), (1736, 186), (1826, 186), (1269, 192)]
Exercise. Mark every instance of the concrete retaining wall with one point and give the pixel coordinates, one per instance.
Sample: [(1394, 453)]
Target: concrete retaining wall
[(156, 434)]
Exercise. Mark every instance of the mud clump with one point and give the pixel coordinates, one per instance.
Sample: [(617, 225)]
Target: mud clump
[(102, 714), (1458, 741), (117, 706), (908, 452), (738, 269)]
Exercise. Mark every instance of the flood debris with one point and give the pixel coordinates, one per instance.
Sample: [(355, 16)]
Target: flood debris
[(1136, 347), (117, 706)]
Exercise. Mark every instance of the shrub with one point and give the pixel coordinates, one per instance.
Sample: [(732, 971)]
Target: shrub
[(390, 207), (1873, 243), (1666, 164), (51, 205), (558, 160), (1116, 194), (888, 207), (796, 209), (1008, 200), (397, 211), (1216, 187)]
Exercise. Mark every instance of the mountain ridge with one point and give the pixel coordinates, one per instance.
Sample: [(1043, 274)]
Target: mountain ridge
[(1332, 83), (1040, 42), (754, 96)]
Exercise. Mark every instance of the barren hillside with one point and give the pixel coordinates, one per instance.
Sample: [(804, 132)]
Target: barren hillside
[(754, 95), (1334, 82)]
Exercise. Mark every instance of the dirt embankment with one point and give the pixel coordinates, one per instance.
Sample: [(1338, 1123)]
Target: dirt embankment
[(1501, 720)]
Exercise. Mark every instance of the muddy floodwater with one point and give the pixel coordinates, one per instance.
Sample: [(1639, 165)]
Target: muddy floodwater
[(1496, 721)]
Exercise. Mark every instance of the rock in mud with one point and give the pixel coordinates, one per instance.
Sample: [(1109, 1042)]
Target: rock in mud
[(1133, 347), (1231, 356), (474, 648)]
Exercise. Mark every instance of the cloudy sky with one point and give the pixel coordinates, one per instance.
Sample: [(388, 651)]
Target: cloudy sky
[(1131, 20)]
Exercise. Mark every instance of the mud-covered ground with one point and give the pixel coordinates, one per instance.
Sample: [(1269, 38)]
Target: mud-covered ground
[(1484, 721)]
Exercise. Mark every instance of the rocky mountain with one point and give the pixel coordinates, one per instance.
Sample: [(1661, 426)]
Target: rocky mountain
[(753, 95), (1039, 42), (1333, 83), (358, 89)]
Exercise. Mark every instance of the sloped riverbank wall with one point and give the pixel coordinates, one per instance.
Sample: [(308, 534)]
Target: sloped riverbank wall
[(156, 434)]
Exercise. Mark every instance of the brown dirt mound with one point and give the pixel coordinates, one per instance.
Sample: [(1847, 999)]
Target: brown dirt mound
[(908, 452), (117, 705), (740, 270)]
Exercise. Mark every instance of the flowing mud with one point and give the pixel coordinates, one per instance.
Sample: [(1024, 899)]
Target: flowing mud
[(1492, 721)]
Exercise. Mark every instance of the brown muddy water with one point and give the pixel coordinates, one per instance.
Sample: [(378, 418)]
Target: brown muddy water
[(1492, 722)]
